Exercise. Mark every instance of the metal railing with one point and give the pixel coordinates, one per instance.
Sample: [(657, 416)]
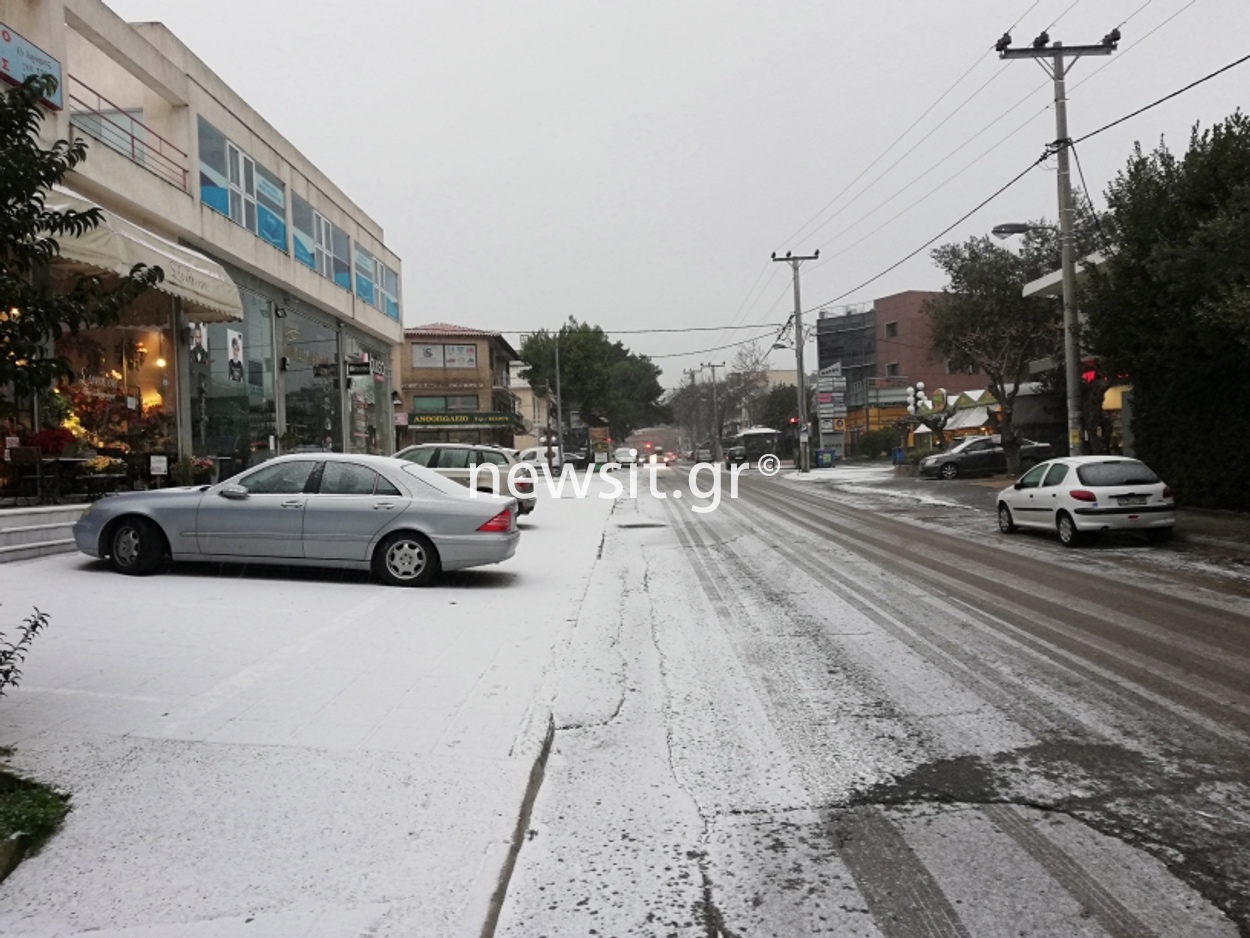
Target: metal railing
[(120, 131)]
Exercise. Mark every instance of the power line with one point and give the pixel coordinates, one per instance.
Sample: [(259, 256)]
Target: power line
[(1166, 97), (1049, 150), (703, 351), (755, 325), (1128, 49)]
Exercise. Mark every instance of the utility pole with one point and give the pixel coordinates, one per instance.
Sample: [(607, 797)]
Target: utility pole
[(1043, 49), (559, 405), (805, 462), (717, 455)]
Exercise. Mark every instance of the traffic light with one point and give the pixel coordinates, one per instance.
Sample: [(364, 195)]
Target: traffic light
[(793, 421)]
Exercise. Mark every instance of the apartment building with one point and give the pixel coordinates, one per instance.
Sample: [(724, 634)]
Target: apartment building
[(273, 329)]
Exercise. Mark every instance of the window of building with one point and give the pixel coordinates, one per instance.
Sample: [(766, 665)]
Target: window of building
[(444, 356), (462, 402), (390, 292), (459, 356), (366, 272), (232, 184), (892, 370), (891, 330), (271, 208), (426, 404), (305, 239)]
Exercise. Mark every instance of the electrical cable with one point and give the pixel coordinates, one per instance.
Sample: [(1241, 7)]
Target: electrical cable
[(1127, 49), (1062, 15), (1102, 234), (704, 351)]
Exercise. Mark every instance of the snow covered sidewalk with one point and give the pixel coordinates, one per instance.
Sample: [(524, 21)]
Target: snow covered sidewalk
[(285, 752)]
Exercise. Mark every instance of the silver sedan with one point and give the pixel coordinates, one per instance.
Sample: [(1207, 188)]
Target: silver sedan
[(377, 513)]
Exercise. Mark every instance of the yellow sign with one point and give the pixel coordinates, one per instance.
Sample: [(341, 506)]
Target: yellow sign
[(1074, 439), (839, 424)]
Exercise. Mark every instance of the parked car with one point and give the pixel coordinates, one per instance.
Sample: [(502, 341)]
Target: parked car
[(398, 519), (703, 454), (1078, 495), (537, 455), (980, 455), (456, 460), (735, 455)]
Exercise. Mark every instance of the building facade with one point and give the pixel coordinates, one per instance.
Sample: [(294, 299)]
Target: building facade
[(455, 387), (273, 329), (537, 411), (884, 347)]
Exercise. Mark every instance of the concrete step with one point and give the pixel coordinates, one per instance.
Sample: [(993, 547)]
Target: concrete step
[(37, 531)]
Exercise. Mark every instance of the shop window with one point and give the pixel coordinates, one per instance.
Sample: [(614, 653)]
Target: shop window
[(365, 397), (314, 413), (231, 381)]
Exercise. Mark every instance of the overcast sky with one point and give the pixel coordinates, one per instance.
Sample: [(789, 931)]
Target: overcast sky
[(634, 163)]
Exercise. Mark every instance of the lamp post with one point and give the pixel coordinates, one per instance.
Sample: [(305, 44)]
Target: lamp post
[(1071, 354)]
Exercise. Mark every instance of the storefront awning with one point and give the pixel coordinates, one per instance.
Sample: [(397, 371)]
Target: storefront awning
[(116, 245)]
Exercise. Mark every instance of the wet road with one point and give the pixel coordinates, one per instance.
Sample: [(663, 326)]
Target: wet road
[(831, 710)]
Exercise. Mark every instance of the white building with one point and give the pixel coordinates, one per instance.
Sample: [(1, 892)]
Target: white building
[(281, 303)]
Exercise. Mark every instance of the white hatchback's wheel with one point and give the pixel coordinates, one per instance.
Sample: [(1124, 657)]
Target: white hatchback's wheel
[(405, 559), (1069, 536), (1005, 522)]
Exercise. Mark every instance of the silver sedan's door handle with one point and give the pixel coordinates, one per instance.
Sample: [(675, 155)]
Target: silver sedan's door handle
[(293, 503), (383, 506)]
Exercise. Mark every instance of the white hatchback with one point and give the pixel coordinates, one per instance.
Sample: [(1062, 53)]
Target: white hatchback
[(1081, 495)]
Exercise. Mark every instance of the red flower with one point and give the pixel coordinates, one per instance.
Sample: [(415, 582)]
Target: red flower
[(52, 441)]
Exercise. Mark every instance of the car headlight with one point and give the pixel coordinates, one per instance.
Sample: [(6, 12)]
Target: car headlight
[(86, 511)]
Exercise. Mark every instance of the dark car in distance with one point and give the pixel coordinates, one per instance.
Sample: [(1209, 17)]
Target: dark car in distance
[(981, 455)]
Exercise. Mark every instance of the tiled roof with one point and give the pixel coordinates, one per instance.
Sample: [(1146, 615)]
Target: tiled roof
[(446, 328)]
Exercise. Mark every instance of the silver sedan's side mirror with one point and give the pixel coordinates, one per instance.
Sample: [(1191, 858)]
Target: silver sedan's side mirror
[(233, 491)]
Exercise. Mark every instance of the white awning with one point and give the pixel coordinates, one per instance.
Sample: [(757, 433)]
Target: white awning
[(117, 245), (968, 418)]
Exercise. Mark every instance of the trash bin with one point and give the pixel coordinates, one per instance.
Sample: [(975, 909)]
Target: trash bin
[(900, 455), (825, 458)]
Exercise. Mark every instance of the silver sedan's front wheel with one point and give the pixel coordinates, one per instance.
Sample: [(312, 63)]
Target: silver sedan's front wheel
[(405, 559)]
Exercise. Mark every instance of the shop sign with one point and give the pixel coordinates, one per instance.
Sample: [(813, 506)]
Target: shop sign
[(378, 368), (159, 465), (359, 369), (401, 419), (19, 59), (460, 420)]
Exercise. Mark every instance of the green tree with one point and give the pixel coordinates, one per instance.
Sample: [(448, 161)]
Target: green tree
[(1170, 309), (33, 312), (981, 321), (600, 379)]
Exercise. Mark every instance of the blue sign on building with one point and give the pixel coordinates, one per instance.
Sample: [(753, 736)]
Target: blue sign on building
[(20, 59)]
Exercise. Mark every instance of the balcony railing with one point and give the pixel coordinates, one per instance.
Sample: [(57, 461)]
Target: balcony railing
[(122, 132)]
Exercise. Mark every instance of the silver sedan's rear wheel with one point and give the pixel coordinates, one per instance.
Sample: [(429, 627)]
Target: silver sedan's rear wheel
[(1005, 522), (405, 558)]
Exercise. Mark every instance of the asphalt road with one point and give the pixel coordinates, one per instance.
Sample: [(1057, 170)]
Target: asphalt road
[(860, 710)]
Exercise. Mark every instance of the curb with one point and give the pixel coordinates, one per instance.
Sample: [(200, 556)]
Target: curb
[(537, 772)]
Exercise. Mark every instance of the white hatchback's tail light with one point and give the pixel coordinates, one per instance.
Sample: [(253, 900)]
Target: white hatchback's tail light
[(1083, 495), (1167, 491), (500, 524)]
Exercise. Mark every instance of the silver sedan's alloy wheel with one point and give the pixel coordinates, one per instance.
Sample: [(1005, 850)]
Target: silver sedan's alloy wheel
[(126, 546), (1005, 522), (406, 558)]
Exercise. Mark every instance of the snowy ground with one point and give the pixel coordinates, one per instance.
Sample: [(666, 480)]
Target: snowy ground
[(313, 755)]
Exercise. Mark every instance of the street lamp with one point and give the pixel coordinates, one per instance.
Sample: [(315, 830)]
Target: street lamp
[(1071, 355)]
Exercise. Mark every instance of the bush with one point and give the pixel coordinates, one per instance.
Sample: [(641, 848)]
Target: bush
[(879, 442), (12, 655)]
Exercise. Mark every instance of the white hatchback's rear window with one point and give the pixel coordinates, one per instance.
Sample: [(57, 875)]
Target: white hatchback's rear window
[(435, 481), (1115, 472)]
